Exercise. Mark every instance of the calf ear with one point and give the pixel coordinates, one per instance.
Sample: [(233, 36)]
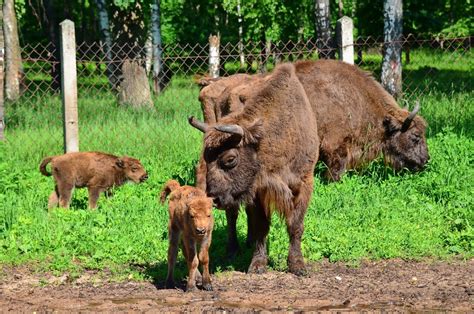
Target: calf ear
[(120, 163), (390, 126)]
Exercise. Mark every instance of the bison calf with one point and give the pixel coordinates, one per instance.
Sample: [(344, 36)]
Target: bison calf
[(190, 212), (99, 172)]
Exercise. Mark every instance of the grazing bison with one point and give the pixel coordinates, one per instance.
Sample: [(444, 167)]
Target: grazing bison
[(357, 121), (264, 157), (99, 172), (190, 212)]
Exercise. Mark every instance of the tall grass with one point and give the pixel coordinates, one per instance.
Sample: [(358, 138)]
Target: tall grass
[(372, 214)]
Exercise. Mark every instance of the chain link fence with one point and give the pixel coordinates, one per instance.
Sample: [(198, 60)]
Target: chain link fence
[(429, 66)]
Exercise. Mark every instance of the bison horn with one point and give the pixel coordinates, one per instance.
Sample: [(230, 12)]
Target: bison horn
[(201, 126), (230, 128), (411, 116)]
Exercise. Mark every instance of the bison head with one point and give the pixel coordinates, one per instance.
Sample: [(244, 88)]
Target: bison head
[(199, 216), (405, 143), (132, 169), (230, 154)]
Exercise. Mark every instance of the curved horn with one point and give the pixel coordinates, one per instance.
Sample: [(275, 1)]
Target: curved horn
[(230, 128), (201, 126), (409, 119)]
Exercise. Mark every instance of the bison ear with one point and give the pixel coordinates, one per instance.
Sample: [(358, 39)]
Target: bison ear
[(389, 126), (120, 163)]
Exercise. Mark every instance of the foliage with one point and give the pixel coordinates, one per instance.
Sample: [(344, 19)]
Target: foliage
[(371, 214)]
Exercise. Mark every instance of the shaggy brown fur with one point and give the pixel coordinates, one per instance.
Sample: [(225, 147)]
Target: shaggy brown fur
[(264, 156), (357, 121), (190, 212), (99, 172)]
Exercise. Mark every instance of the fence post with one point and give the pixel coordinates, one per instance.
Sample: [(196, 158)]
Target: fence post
[(345, 41), (214, 43), (69, 86)]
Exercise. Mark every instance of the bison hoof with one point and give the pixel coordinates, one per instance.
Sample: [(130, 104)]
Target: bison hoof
[(258, 265), (170, 284), (298, 269), (207, 287), (191, 288)]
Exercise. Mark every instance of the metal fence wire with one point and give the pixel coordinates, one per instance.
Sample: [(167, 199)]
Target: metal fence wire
[(100, 73)]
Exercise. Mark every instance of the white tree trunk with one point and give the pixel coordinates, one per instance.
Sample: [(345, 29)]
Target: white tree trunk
[(134, 89), (392, 52), (322, 18), (241, 32), (12, 51), (2, 50), (214, 57)]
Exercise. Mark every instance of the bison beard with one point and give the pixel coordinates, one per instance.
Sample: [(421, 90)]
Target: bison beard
[(264, 156)]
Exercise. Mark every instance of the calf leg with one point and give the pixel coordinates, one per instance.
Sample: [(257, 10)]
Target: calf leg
[(94, 193), (204, 259), (65, 191), (172, 254), (295, 225), (53, 198), (261, 226), (232, 214), (193, 263), (198, 273)]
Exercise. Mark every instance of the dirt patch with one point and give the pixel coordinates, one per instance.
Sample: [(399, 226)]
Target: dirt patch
[(388, 285)]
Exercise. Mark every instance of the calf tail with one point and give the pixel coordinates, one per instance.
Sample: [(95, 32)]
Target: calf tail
[(169, 187), (43, 164)]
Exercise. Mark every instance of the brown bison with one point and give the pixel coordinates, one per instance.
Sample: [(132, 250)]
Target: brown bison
[(264, 156), (357, 121), (190, 212), (99, 172)]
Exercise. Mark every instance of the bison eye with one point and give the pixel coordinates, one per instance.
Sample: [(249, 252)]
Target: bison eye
[(229, 161)]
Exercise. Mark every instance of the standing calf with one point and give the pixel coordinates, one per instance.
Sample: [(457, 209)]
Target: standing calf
[(190, 212), (99, 172)]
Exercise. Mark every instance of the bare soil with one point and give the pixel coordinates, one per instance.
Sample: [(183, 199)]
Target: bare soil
[(383, 285)]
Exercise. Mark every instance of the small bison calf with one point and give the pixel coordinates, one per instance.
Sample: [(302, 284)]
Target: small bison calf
[(190, 212), (99, 172)]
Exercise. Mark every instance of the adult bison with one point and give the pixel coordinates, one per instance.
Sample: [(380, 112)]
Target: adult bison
[(357, 121), (264, 156)]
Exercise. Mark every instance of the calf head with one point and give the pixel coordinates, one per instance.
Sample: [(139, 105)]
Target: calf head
[(132, 168), (230, 153), (405, 142), (200, 216)]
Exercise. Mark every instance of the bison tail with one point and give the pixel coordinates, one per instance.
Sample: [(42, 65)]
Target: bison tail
[(169, 187), (43, 164)]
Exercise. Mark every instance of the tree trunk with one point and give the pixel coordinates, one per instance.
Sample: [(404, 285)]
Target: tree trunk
[(12, 51), (53, 34), (104, 27), (323, 29), (241, 42), (157, 46), (134, 89), (392, 50), (2, 49)]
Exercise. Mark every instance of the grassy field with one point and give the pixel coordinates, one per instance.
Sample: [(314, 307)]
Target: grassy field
[(371, 214)]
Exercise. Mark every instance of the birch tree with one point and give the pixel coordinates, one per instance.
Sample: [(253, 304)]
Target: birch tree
[(322, 19), (12, 51), (392, 49), (157, 46), (2, 49)]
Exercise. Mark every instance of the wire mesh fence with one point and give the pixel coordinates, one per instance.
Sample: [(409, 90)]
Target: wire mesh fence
[(170, 91)]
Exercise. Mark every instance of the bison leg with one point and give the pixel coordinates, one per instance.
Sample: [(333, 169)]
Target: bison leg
[(198, 273), (250, 227), (261, 226), (94, 193), (295, 225), (53, 198), (201, 170), (193, 263), (65, 192), (172, 254), (232, 214), (204, 259)]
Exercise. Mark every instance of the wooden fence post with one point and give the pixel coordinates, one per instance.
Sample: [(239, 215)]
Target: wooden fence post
[(69, 86), (214, 43), (345, 40)]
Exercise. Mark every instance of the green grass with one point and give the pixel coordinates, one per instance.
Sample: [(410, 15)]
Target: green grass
[(372, 214)]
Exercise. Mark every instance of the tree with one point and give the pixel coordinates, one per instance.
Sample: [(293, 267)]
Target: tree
[(13, 68), (157, 46), (2, 49), (392, 49), (323, 29)]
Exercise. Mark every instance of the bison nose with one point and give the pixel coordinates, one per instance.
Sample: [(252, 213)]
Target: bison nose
[(144, 177), (200, 231)]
